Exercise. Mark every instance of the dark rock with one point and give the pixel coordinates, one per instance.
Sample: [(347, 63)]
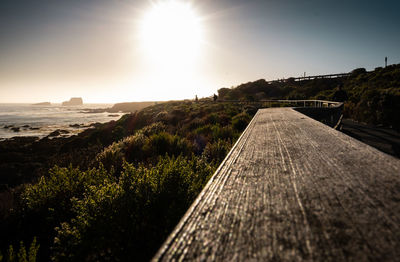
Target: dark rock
[(25, 126), (113, 115), (97, 124), (54, 133), (34, 128), (58, 132), (20, 141), (75, 125), (15, 129)]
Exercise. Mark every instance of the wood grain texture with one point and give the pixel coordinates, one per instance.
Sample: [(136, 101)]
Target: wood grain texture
[(293, 189)]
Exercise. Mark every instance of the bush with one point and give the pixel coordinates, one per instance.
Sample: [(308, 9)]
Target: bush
[(130, 148), (49, 202), (141, 209), (53, 193), (165, 143), (23, 255), (216, 152), (114, 155), (224, 133), (241, 121)]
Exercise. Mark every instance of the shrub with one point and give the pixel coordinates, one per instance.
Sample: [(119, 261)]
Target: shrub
[(224, 133), (127, 148), (216, 152), (130, 148), (165, 143), (55, 191), (141, 209), (23, 255), (49, 202), (240, 121)]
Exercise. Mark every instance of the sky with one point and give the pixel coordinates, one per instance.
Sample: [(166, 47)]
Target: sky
[(51, 50)]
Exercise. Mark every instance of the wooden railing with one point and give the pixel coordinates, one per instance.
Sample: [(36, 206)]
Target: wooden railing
[(292, 189), (297, 103), (306, 103), (328, 112)]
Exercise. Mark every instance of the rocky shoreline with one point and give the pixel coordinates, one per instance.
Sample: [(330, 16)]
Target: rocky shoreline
[(66, 131), (29, 157)]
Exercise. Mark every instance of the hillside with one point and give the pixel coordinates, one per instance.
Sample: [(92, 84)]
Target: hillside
[(116, 191), (373, 97)]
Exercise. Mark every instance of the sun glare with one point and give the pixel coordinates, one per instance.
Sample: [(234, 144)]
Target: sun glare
[(170, 34)]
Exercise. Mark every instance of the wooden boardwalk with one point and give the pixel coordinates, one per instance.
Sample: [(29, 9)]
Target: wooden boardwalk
[(293, 189)]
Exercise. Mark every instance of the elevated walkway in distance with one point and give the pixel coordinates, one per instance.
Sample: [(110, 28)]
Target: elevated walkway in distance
[(293, 189)]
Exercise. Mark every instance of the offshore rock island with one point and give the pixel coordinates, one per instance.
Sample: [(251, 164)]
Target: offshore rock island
[(74, 101)]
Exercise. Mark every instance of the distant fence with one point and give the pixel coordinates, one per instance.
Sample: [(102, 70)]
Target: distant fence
[(305, 103), (282, 102), (305, 78)]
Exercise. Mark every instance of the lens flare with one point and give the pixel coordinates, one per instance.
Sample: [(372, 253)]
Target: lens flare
[(171, 34)]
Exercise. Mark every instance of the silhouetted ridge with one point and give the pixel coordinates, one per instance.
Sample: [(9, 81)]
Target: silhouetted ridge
[(372, 97)]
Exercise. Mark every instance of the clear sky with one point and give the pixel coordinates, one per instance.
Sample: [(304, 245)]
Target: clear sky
[(108, 51)]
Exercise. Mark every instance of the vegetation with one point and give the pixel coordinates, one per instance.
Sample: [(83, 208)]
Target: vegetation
[(22, 254), (374, 97), (115, 192)]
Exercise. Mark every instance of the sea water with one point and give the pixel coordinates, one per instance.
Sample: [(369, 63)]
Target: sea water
[(40, 121)]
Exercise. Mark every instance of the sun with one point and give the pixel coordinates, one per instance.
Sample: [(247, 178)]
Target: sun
[(170, 34)]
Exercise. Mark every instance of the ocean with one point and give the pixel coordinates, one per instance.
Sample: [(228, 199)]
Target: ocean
[(40, 121)]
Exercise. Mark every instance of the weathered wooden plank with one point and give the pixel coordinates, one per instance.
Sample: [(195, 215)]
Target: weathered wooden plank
[(294, 189)]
